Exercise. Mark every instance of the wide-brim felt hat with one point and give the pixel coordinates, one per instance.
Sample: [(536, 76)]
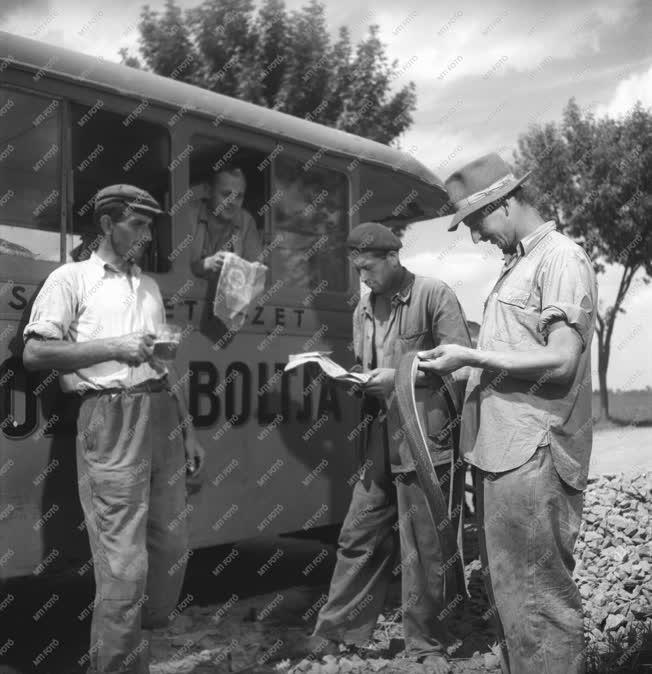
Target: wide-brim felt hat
[(478, 184)]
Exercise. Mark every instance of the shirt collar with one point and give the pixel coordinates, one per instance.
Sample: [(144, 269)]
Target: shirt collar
[(402, 295), (132, 269), (528, 243)]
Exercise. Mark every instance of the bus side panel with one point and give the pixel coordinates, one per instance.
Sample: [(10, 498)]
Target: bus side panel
[(279, 457), (280, 447), (41, 524)]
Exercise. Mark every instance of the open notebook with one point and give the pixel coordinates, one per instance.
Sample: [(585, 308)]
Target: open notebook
[(329, 367)]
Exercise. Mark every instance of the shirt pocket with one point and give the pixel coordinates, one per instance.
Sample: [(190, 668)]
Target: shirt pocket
[(516, 318), (517, 297), (413, 341)]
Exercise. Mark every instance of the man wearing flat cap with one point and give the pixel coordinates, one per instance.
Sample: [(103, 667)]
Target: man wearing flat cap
[(95, 322), (526, 424), (388, 528)]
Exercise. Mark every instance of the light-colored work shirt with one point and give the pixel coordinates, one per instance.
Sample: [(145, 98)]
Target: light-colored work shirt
[(82, 301), (505, 419)]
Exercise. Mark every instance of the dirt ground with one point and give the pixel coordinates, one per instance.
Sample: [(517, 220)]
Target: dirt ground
[(625, 449), (247, 635)]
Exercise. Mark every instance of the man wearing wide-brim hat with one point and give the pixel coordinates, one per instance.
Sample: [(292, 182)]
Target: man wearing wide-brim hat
[(95, 322), (526, 424)]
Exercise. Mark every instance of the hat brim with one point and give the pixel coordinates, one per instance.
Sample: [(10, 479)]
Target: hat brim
[(479, 205)]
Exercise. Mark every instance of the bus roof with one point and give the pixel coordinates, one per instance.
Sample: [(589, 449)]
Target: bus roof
[(139, 84)]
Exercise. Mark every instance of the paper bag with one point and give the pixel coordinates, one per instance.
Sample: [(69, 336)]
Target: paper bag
[(240, 284)]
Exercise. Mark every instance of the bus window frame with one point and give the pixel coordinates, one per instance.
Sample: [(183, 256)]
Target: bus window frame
[(17, 268), (327, 299), (111, 105), (193, 125), (212, 137), (28, 271)]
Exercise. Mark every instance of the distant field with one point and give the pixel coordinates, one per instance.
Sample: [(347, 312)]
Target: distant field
[(634, 407)]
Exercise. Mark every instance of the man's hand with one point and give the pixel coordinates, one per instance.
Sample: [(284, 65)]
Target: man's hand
[(381, 382), (134, 348), (214, 262), (445, 358), (195, 454)]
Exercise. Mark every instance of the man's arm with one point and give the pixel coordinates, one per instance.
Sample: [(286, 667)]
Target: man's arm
[(556, 362), (195, 453), (58, 354)]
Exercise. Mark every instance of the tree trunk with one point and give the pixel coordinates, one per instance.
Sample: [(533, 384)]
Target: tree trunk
[(603, 363)]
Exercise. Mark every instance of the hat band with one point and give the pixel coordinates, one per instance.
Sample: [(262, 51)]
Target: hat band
[(477, 196)]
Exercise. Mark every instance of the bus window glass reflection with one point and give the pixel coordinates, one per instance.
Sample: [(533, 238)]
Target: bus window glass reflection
[(310, 223), (30, 175)]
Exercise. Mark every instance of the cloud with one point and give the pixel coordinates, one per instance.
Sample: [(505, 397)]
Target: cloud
[(637, 87), (449, 43), (9, 8)]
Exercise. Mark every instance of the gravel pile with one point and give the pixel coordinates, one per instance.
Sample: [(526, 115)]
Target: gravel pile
[(614, 557)]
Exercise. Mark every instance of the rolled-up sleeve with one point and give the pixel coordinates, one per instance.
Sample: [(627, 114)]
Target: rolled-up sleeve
[(54, 307), (568, 292)]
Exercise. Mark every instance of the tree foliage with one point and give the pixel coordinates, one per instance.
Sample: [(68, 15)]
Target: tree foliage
[(594, 176), (279, 59)]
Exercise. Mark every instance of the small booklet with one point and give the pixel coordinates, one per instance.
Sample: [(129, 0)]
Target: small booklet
[(329, 367)]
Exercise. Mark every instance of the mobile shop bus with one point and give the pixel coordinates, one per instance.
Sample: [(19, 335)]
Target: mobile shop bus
[(280, 454)]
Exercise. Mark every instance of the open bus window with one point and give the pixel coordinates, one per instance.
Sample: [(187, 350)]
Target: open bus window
[(108, 149), (208, 157), (310, 224), (30, 175)]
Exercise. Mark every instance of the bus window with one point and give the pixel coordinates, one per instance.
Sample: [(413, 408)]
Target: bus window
[(310, 223), (30, 175), (208, 157), (107, 149)]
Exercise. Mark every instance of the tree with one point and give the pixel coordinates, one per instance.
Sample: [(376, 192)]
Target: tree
[(279, 59), (594, 176)]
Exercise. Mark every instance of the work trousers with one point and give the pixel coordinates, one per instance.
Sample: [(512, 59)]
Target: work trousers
[(131, 469), (388, 531), (530, 521)]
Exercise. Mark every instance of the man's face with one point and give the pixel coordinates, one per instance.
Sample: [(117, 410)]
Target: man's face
[(131, 235), (376, 270), (493, 225), (228, 194)]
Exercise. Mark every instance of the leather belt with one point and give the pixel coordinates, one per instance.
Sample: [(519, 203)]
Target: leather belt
[(149, 386), (439, 510)]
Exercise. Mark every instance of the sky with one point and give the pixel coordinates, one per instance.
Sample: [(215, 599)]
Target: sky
[(484, 72)]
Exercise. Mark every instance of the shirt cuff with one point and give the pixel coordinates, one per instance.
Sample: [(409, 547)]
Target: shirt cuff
[(571, 314), (47, 329)]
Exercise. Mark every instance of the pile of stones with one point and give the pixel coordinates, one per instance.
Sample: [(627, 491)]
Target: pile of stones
[(614, 558)]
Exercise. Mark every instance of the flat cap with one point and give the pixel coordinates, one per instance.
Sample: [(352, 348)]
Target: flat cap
[(373, 236), (134, 197)]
